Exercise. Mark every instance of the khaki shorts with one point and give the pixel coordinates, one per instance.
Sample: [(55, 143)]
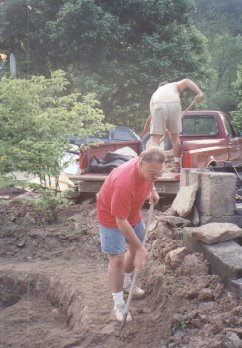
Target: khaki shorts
[(166, 116)]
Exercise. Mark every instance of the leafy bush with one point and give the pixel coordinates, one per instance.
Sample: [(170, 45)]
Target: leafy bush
[(36, 118), (51, 203)]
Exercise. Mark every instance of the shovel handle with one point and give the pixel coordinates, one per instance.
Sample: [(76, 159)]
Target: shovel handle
[(189, 107), (135, 272), (129, 299)]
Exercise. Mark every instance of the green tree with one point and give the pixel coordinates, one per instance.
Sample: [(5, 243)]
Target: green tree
[(219, 16), (24, 31), (36, 118), (237, 115), (227, 54), (128, 48), (120, 50), (220, 21)]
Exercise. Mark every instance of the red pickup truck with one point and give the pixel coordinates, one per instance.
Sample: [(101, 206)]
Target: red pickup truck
[(208, 139)]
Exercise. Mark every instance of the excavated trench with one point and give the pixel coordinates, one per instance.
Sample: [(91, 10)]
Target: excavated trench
[(41, 307), (15, 287), (34, 306)]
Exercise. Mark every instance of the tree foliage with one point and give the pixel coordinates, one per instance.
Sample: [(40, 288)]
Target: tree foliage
[(237, 115), (220, 21), (36, 118), (128, 48), (120, 50), (219, 16)]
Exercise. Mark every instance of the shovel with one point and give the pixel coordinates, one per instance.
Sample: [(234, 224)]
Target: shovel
[(135, 272), (188, 108)]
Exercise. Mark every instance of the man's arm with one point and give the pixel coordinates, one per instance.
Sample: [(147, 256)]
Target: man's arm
[(134, 243), (154, 196), (189, 84)]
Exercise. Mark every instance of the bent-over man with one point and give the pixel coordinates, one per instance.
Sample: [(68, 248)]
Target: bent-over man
[(119, 202), (165, 108)]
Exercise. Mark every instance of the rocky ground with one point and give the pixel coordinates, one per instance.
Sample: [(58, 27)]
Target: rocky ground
[(54, 291)]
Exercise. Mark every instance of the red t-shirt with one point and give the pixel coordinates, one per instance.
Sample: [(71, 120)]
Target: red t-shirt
[(122, 195)]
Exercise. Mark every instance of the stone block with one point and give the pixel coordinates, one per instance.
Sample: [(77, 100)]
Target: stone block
[(184, 177), (239, 208), (189, 177), (216, 232), (236, 285), (216, 196), (225, 259), (216, 193)]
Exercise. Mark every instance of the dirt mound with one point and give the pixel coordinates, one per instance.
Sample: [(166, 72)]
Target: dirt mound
[(54, 290)]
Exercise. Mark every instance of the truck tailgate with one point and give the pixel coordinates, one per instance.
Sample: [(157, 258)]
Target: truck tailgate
[(167, 184)]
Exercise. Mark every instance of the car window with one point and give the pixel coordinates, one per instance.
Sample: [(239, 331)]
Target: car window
[(123, 133), (199, 125)]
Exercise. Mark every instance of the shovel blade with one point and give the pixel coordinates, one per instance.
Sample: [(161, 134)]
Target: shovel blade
[(124, 319)]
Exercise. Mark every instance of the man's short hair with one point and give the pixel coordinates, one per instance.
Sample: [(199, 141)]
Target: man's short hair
[(153, 154)]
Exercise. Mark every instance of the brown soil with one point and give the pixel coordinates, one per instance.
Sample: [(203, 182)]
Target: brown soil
[(54, 291)]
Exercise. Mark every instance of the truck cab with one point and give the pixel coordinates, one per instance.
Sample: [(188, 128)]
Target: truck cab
[(208, 137)]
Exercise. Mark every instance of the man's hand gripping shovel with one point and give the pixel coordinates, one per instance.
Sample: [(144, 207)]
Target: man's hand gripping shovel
[(135, 272)]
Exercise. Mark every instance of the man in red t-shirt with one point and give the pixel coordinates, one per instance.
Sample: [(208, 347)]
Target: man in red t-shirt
[(118, 209)]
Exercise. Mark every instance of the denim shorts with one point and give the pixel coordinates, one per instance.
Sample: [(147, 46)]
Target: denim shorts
[(113, 240)]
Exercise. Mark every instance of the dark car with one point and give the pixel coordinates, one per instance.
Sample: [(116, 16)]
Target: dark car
[(115, 134)]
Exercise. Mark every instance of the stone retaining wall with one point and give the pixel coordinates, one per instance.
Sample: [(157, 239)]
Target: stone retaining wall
[(216, 202)]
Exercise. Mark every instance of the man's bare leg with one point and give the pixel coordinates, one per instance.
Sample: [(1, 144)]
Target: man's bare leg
[(116, 272), (128, 262), (176, 143), (128, 271), (116, 279), (155, 140)]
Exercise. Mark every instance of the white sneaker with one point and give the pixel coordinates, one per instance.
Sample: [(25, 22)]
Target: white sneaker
[(137, 292), (119, 311)]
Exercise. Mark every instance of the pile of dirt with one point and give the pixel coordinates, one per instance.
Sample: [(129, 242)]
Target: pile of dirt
[(54, 289)]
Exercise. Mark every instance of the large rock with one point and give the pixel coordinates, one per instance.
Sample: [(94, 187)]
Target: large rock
[(175, 257), (185, 198), (225, 259), (232, 340), (216, 232)]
